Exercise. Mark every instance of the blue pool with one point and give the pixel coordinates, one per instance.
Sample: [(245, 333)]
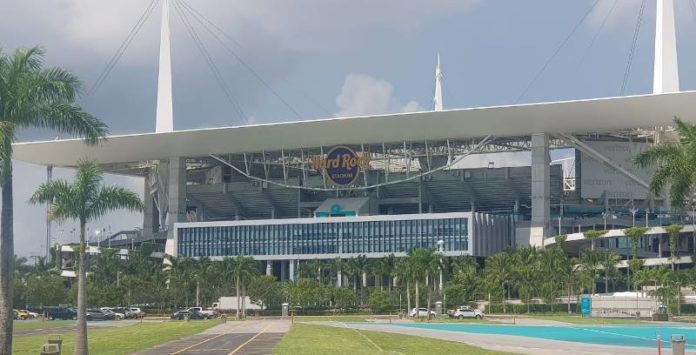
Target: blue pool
[(637, 335)]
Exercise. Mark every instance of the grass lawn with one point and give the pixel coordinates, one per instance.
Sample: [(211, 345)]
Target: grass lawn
[(120, 340), (577, 319), (37, 324), (316, 339)]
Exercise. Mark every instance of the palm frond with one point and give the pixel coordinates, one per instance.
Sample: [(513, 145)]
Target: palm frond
[(68, 119), (657, 154), (111, 198)]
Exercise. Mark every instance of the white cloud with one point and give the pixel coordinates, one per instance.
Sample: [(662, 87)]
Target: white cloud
[(364, 95)]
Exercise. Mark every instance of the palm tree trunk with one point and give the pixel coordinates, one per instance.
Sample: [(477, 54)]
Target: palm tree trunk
[(6, 260), (198, 293), (606, 284), (430, 299), (408, 295), (243, 301), (237, 291), (417, 300), (81, 336)]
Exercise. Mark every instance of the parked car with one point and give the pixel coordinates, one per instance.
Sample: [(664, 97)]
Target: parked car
[(59, 313), (117, 315), (136, 312), (211, 313), (127, 314), (97, 314), (462, 312), (180, 314), (421, 312), (31, 314), (22, 315), (111, 314)]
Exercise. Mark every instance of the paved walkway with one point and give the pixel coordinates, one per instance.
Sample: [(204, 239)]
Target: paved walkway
[(503, 343), (243, 337)]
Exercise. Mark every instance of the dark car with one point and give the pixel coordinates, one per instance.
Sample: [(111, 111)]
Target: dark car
[(190, 314), (59, 313), (96, 314), (180, 314)]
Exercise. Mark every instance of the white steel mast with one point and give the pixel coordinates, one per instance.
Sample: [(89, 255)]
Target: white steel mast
[(165, 110)]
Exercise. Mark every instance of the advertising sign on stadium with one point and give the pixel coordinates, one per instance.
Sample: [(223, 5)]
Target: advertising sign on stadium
[(341, 165)]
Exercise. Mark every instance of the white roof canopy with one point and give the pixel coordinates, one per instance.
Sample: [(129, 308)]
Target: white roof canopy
[(595, 115)]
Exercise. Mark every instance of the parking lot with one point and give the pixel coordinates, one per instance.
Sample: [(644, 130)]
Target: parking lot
[(246, 337)]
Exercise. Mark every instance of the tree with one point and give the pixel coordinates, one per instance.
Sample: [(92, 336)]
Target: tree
[(84, 200), (241, 269), (673, 162), (634, 234), (31, 96), (405, 272), (609, 269), (381, 301), (425, 263), (266, 291), (343, 297), (593, 235), (499, 267), (673, 232)]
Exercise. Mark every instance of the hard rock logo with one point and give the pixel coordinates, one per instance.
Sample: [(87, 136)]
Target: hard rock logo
[(341, 165)]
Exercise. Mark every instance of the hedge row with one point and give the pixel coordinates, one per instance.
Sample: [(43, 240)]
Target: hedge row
[(533, 308)]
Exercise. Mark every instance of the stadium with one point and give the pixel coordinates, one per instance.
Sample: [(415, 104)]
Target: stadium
[(380, 185)]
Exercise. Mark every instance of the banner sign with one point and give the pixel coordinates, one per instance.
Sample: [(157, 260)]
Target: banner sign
[(341, 165), (586, 306)]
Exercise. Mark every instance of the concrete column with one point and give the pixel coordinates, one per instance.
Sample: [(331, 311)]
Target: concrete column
[(283, 270), (541, 189), (339, 279), (148, 209), (292, 270), (177, 194), (269, 268)]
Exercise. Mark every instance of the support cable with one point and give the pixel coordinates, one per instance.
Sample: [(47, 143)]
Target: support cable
[(692, 5), (224, 34), (196, 15), (636, 31), (599, 31), (476, 148), (555, 53), (209, 61), (123, 47)]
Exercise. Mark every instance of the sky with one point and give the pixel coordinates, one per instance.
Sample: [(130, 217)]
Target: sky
[(315, 59)]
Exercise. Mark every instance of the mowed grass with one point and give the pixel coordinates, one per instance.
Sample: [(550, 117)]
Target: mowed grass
[(315, 339), (38, 324), (119, 340)]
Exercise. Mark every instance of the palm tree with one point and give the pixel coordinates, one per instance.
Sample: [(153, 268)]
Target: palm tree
[(240, 269), (674, 163), (386, 268), (359, 267), (634, 233), (608, 263), (404, 271), (84, 200), (673, 232), (500, 268), (31, 96), (425, 264), (591, 261), (593, 235)]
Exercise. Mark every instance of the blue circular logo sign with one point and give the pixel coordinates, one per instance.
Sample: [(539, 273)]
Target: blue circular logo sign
[(341, 165)]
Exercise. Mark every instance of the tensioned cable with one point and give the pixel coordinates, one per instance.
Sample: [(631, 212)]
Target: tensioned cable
[(123, 47), (238, 57), (209, 61), (692, 5), (185, 6), (599, 30), (478, 146), (636, 31), (555, 53)]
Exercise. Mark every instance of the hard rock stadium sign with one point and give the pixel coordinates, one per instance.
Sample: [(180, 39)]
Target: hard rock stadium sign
[(341, 165)]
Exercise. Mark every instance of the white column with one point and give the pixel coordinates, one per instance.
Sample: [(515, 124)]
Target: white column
[(147, 209), (177, 194), (292, 270), (339, 279), (165, 110), (541, 189), (269, 268), (437, 100), (666, 70)]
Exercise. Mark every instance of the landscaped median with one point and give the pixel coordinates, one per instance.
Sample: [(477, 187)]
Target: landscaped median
[(119, 340), (317, 339)]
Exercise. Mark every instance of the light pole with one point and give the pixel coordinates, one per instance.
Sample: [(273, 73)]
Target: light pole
[(647, 212), (633, 213)]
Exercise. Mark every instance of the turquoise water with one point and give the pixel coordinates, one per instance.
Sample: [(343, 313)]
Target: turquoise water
[(638, 336)]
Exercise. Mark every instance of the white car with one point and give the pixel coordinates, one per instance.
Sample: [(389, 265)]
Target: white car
[(137, 312), (421, 312), (465, 312)]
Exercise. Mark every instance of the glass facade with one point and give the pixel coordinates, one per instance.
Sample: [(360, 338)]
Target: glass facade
[(339, 237)]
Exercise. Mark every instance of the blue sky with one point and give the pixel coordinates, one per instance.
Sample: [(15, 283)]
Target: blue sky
[(333, 58)]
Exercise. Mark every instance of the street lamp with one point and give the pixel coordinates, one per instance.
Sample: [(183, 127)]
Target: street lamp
[(633, 213)]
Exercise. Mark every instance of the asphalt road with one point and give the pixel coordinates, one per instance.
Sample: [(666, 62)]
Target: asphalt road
[(234, 337)]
